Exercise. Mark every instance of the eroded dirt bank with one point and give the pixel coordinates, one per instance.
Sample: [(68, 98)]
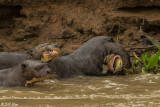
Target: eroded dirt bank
[(69, 23)]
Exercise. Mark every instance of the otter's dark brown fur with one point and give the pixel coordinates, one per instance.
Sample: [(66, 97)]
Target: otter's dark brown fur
[(10, 59), (23, 72), (89, 58)]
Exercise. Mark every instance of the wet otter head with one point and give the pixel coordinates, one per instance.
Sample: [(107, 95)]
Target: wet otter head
[(113, 47), (35, 71), (45, 52)]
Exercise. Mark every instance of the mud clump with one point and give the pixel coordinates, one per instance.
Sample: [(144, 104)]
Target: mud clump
[(70, 23)]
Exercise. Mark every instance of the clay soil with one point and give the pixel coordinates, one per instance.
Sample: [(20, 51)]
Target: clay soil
[(69, 23)]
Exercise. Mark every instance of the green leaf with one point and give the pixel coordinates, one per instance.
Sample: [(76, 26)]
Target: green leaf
[(152, 62), (153, 41), (158, 53), (144, 60)]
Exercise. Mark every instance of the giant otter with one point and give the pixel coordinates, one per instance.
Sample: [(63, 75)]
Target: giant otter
[(25, 74), (45, 52), (89, 58)]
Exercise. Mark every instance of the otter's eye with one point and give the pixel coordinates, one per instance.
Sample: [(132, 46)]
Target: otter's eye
[(111, 40), (39, 67)]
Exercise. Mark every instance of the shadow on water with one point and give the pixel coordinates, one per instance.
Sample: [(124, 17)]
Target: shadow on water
[(114, 91)]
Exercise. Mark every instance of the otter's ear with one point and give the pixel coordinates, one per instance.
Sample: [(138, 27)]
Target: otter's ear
[(111, 40), (24, 66)]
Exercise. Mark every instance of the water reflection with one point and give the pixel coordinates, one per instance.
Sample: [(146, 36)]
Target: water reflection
[(83, 91)]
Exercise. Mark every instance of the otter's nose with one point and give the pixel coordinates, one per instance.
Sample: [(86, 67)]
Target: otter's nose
[(49, 72)]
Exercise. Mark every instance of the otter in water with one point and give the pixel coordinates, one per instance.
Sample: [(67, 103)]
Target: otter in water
[(89, 58), (25, 73), (45, 52)]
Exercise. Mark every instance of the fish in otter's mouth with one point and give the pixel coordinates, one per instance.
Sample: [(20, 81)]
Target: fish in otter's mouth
[(49, 55), (34, 80), (115, 64)]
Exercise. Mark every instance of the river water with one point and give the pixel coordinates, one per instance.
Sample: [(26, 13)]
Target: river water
[(112, 91)]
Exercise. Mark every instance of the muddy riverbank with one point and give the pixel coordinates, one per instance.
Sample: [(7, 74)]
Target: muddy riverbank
[(69, 23)]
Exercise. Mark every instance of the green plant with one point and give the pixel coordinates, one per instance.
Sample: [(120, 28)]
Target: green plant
[(151, 63), (118, 33), (153, 41), (135, 65)]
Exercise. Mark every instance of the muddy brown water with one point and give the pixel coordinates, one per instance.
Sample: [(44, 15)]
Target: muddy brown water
[(84, 91)]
